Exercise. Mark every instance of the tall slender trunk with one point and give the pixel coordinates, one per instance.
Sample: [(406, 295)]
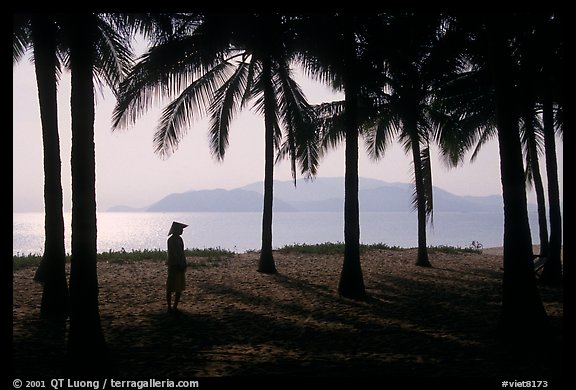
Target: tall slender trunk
[(522, 314), (87, 350), (52, 269), (537, 181), (422, 259), (266, 263), (351, 284), (552, 272)]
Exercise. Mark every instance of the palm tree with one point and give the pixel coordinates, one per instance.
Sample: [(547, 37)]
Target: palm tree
[(472, 94), (41, 31), (491, 49), (532, 142), (95, 49), (226, 62), (552, 271), (415, 67), (530, 84), (336, 49), (552, 36)]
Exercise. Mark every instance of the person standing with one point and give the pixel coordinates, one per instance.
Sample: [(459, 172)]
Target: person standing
[(176, 280)]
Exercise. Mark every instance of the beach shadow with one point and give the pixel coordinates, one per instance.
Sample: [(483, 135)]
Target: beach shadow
[(267, 336), (435, 324), (40, 350)]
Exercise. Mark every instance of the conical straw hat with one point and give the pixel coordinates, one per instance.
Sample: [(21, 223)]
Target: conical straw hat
[(176, 226)]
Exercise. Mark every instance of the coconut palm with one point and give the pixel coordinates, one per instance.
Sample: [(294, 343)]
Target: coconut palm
[(96, 52), (551, 47), (336, 49), (472, 94), (40, 31), (411, 71), (491, 51), (415, 67), (91, 48), (227, 62), (532, 141), (530, 84)]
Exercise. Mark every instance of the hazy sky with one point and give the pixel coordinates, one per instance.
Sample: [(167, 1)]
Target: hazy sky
[(129, 173)]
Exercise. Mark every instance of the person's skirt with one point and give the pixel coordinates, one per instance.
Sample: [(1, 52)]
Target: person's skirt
[(176, 281)]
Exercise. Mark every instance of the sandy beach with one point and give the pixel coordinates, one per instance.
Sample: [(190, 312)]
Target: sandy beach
[(234, 321)]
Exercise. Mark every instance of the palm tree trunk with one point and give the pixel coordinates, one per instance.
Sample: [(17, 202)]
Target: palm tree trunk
[(52, 269), (538, 186), (266, 263), (351, 284), (522, 314), (86, 344), (422, 259), (552, 272)]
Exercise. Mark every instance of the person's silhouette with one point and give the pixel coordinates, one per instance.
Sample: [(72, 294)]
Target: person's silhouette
[(176, 280)]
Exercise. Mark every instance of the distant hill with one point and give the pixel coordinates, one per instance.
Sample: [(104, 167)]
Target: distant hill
[(237, 200), (125, 209), (327, 194), (321, 194)]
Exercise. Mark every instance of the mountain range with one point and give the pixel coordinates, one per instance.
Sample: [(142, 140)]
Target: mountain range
[(321, 194)]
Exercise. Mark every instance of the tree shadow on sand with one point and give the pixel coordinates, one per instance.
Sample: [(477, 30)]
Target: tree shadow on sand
[(402, 330), (39, 351), (438, 323)]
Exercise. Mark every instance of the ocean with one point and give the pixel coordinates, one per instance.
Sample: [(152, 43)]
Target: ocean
[(241, 232)]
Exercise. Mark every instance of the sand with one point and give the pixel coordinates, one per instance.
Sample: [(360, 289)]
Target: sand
[(234, 321)]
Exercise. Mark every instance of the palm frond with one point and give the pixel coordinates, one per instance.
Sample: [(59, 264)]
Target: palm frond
[(323, 72), (380, 133), (227, 100), (532, 139), (21, 39), (193, 102), (162, 72), (485, 135), (330, 124), (453, 139), (298, 119), (318, 49), (113, 55), (253, 69), (559, 121), (426, 175), (405, 140), (158, 27), (268, 108)]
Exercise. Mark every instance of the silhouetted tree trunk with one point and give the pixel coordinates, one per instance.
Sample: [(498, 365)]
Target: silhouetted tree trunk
[(52, 269), (537, 182), (351, 283), (522, 314), (422, 259), (266, 263), (552, 272), (529, 71), (87, 350)]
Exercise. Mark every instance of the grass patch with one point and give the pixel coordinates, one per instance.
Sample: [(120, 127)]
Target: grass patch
[(122, 256), (330, 248), (453, 249), (327, 248), (23, 261), (208, 257)]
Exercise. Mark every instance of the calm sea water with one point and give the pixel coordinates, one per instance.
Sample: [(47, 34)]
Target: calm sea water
[(240, 232)]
